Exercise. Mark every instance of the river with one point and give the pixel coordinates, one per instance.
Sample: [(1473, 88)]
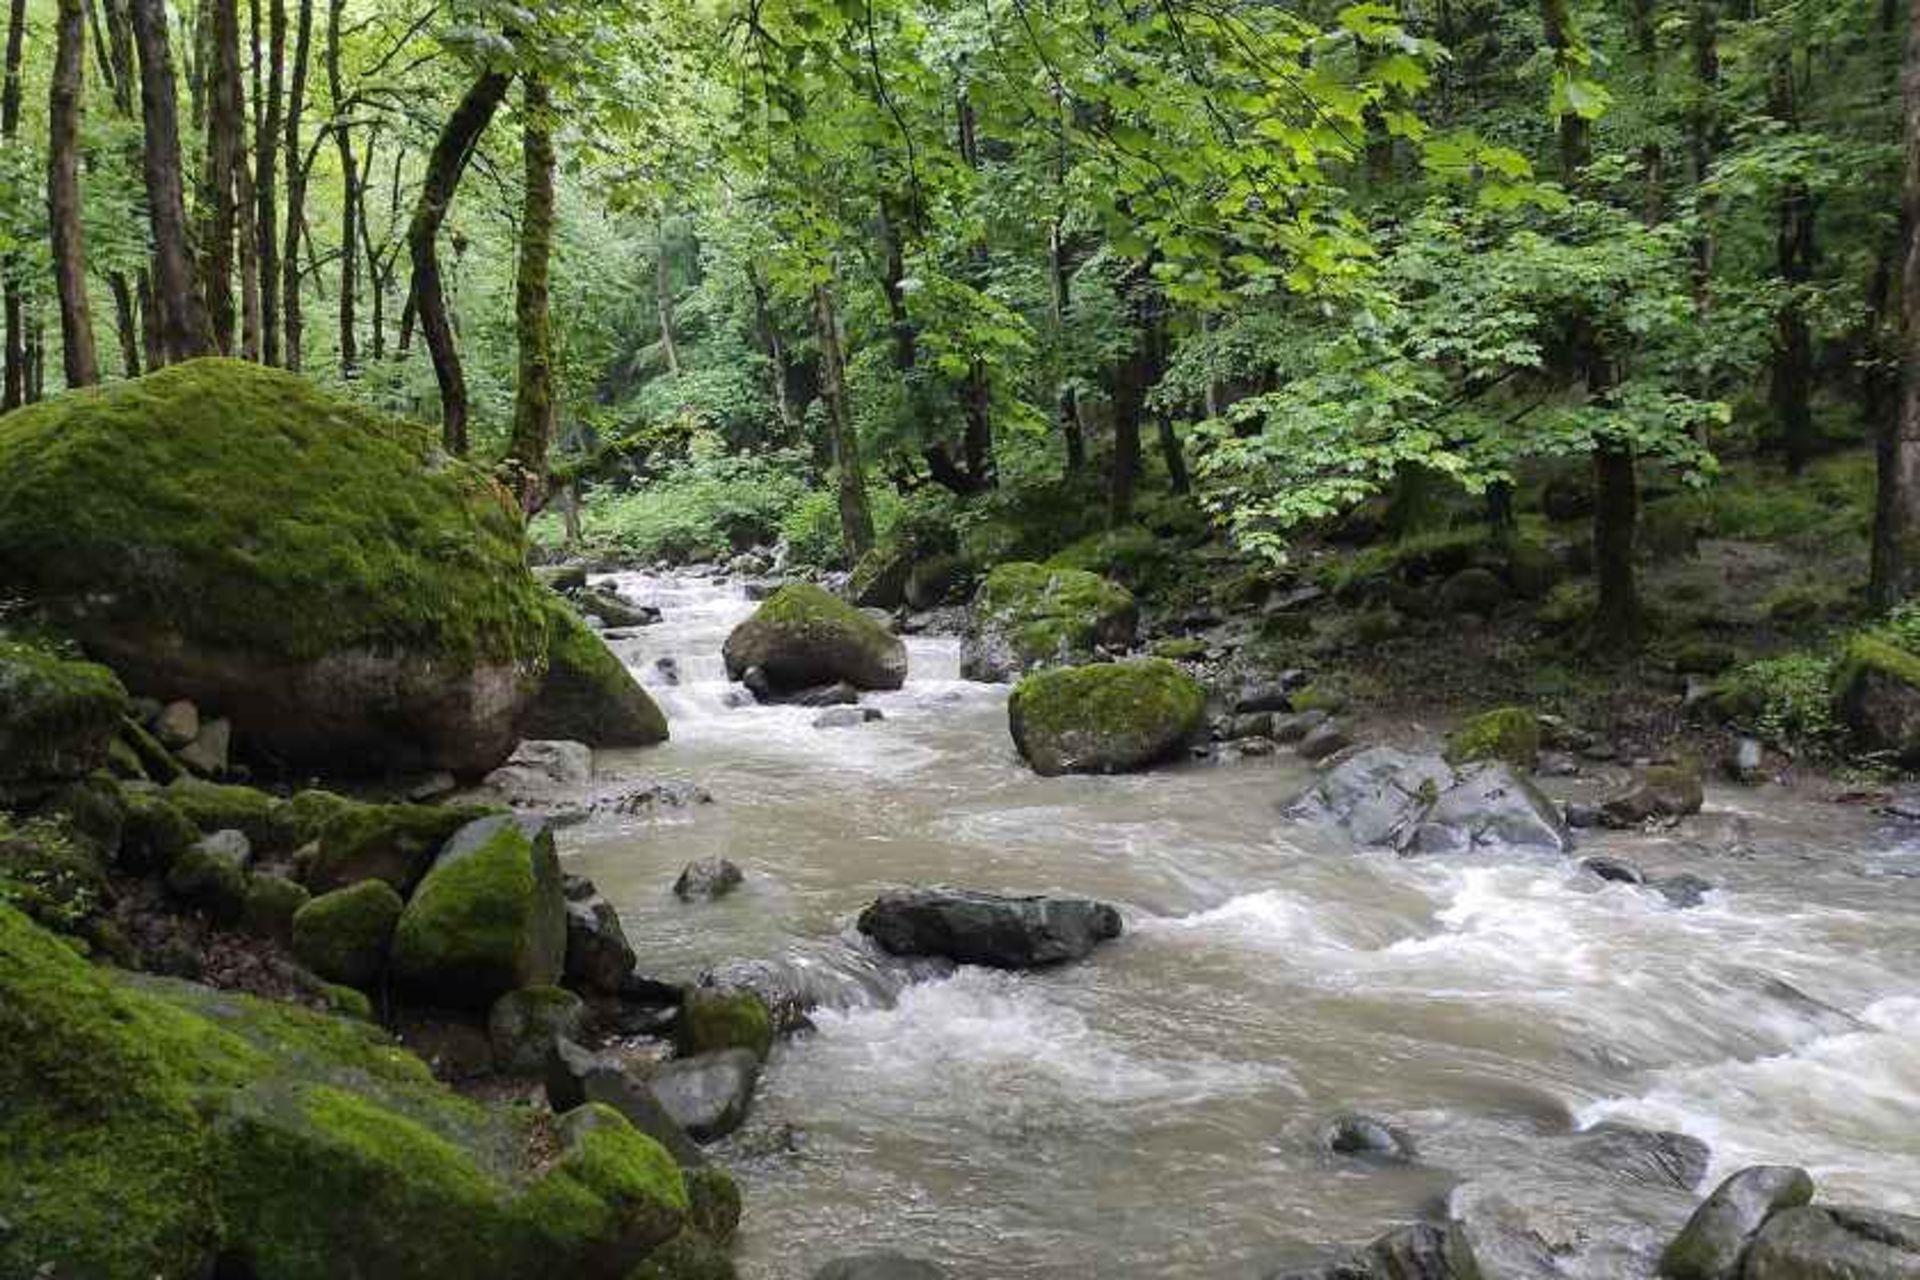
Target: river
[(1154, 1110)]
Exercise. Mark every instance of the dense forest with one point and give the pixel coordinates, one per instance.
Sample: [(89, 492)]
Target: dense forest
[(469, 465)]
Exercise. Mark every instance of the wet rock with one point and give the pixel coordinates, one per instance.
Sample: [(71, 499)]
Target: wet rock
[(177, 724), (539, 772), (1835, 1243), (759, 590), (847, 717), (1714, 1242), (707, 878), (1584, 817), (1488, 804), (1414, 1252), (343, 936), (881, 1265), (707, 1095), (1323, 740), (668, 668), (589, 695), (1658, 1158), (1252, 724), (271, 904), (1656, 792), (613, 609), (1029, 615), (563, 578), (712, 1019), (1556, 764), (524, 1027), (576, 1076), (599, 958), (1746, 761), (1000, 930), (1111, 718), (1292, 728), (1614, 870), (1274, 695), (802, 637), (1879, 698), (212, 874), (1368, 1138), (1489, 1237), (1684, 890), (654, 797)]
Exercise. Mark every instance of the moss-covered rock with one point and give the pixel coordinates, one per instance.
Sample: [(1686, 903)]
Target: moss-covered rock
[(1131, 556), (328, 578), (212, 875), (588, 695), (1511, 734), (1109, 718), (57, 879), (801, 636), (712, 1020), (156, 833), (488, 918), (1877, 686), (391, 842), (713, 1198), (271, 904), (58, 718), (523, 1026), (343, 936), (1029, 615), (211, 806), (151, 1127)]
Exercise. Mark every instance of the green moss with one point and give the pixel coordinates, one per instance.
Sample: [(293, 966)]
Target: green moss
[(589, 695), (343, 936), (212, 807), (1181, 649), (1048, 614), (58, 717), (156, 833), (712, 1020), (347, 1002), (487, 919), (1868, 652), (1319, 697), (523, 1026), (391, 842), (203, 878), (240, 507), (1131, 556), (713, 1198), (155, 760), (802, 635), (1511, 734), (305, 815), (1105, 718), (271, 904)]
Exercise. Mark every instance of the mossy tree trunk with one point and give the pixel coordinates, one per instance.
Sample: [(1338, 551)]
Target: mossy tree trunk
[(15, 393), (1792, 376), (184, 327), (850, 481), (266, 157), (533, 406), (113, 54), (296, 212), (1896, 536), (81, 361), (768, 331), (224, 114), (349, 196), (445, 167)]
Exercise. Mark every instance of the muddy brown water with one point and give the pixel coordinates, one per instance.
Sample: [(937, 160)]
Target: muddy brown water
[(1154, 1110)]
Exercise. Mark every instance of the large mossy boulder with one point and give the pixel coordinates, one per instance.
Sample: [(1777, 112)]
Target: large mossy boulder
[(1878, 695), (58, 718), (489, 917), (1110, 718), (329, 579), (801, 637), (589, 695), (156, 1128), (343, 936), (1030, 615)]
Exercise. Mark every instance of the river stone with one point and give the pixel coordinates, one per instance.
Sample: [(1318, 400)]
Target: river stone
[(1684, 890), (524, 1026), (599, 957), (1613, 870), (1272, 696), (1658, 1158), (1029, 615), (563, 578), (343, 936), (879, 1265), (1368, 1138), (801, 637), (709, 1094), (487, 919), (1488, 805), (1656, 792), (847, 717), (1323, 740), (1110, 718), (723, 1018), (540, 769), (209, 752), (588, 695), (612, 608), (1879, 698), (707, 878), (1414, 1252), (999, 930), (1714, 1241), (576, 1076), (1835, 1243), (177, 724)]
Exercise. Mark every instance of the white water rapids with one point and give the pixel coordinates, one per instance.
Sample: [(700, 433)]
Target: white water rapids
[(1153, 1110)]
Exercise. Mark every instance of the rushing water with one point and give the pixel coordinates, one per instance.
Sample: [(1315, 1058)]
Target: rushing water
[(1153, 1111)]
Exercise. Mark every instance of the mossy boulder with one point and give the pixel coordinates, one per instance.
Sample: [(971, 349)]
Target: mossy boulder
[(1028, 615), (391, 842), (523, 1026), (343, 936), (212, 806), (152, 1128), (271, 904), (489, 917), (326, 577), (155, 834), (589, 695), (1511, 734), (58, 718), (715, 1020), (802, 636), (1131, 556), (212, 875), (1877, 686), (1110, 718)]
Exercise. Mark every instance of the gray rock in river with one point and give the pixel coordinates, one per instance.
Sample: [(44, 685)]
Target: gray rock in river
[(1001, 930), (576, 1075), (1714, 1242), (707, 1095), (1658, 1158), (1657, 792), (599, 957), (542, 770), (1837, 1243), (1420, 804), (1415, 1252), (880, 1265), (1368, 1138), (614, 609), (705, 879), (847, 717)]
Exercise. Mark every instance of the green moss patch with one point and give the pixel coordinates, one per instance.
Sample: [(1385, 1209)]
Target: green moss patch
[(714, 1020), (343, 936), (58, 718), (1027, 615), (1511, 734), (802, 636), (488, 918), (589, 695), (1108, 718)]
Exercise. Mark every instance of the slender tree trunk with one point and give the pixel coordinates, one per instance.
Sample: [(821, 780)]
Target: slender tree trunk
[(1896, 536), (977, 443), (266, 155), (770, 340), (15, 393), (224, 146), (296, 186), (1703, 28), (349, 197), (126, 322), (1792, 381), (663, 300), (533, 403), (184, 327), (448, 163), (850, 482), (81, 361)]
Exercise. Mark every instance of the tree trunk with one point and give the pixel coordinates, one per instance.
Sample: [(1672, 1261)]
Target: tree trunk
[(1896, 535), (976, 444), (184, 327), (533, 403), (1791, 387), (349, 197), (856, 521), (663, 301), (224, 147), (769, 334), (1702, 132), (81, 361), (296, 187), (266, 154), (15, 393), (448, 163)]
